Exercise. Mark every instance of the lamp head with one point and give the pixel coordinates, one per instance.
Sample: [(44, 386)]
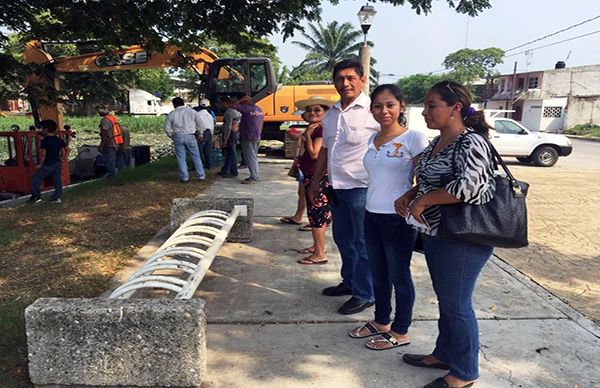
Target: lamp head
[(366, 16)]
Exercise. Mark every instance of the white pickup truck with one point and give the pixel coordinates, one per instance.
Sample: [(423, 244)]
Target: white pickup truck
[(512, 139)]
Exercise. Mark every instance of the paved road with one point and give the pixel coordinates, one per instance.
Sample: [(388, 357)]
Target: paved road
[(563, 205), (585, 156)]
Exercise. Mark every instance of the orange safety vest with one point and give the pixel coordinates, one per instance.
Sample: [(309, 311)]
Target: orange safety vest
[(117, 136)]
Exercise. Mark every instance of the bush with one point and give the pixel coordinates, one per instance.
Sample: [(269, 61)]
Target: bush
[(136, 124), (589, 130)]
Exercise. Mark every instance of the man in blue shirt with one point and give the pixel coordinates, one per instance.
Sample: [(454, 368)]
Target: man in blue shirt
[(250, 129), (52, 153)]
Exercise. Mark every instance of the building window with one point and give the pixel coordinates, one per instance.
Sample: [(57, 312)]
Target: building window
[(553, 111), (521, 83), (533, 83)]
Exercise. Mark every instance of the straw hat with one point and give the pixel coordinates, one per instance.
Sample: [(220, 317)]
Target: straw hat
[(314, 100)]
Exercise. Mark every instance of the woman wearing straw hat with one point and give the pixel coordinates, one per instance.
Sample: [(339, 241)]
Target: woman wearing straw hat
[(319, 214)]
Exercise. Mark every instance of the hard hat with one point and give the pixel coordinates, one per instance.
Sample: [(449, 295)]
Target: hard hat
[(204, 102)]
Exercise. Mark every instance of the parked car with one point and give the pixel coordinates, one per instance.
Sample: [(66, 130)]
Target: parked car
[(542, 149)]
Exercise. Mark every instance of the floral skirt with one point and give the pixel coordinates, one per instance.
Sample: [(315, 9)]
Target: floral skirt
[(319, 212)]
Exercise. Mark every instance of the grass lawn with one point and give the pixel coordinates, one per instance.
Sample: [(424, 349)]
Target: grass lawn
[(75, 248)]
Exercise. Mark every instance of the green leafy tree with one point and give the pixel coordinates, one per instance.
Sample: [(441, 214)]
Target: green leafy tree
[(415, 87), (327, 45), (183, 22), (14, 72), (300, 74), (189, 24), (155, 81), (469, 65)]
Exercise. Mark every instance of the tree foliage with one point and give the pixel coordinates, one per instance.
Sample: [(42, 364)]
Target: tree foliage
[(415, 87), (14, 72), (155, 81), (189, 24), (327, 45), (182, 22), (468, 65)]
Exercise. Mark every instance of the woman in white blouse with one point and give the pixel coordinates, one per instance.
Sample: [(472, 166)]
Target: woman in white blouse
[(389, 239), (457, 166)]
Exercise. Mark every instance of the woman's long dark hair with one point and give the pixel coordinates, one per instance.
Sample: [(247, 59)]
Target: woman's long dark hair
[(395, 91), (452, 92)]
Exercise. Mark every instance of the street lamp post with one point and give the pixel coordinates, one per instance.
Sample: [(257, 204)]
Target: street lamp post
[(366, 16)]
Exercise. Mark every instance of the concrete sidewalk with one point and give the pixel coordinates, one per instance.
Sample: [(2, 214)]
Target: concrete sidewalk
[(270, 326)]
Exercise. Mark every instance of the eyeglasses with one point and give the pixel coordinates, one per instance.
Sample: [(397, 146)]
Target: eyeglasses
[(452, 90), (314, 110)]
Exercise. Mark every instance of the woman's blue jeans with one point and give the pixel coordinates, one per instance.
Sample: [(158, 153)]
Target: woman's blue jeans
[(454, 267), (390, 243)]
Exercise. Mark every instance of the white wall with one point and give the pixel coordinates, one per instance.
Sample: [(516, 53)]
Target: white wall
[(553, 124), (583, 110), (532, 114), (576, 81)]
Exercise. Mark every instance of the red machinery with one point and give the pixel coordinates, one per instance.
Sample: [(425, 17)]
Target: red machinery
[(23, 151)]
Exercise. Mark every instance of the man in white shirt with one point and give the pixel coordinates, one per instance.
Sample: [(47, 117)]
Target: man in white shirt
[(206, 137), (346, 131), (181, 126)]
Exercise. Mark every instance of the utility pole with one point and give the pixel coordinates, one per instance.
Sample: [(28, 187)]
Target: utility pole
[(512, 89)]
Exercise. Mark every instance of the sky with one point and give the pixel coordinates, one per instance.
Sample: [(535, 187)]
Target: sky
[(407, 43)]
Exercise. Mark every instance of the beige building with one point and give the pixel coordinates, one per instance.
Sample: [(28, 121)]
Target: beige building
[(551, 100)]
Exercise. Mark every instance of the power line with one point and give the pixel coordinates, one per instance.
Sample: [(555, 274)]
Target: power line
[(554, 33), (552, 44)]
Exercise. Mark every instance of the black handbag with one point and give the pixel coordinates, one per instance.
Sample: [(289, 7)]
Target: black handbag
[(501, 222)]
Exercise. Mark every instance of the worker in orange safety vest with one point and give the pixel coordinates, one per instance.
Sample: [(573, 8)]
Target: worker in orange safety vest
[(110, 138)]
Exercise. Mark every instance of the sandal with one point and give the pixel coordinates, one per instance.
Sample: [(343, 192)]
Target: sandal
[(369, 326), (289, 220), (305, 228), (309, 261), (306, 250), (390, 341)]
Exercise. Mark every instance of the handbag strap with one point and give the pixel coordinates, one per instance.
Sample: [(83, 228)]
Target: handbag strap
[(495, 157)]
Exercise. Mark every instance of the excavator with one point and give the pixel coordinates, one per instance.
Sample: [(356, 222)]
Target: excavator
[(231, 77)]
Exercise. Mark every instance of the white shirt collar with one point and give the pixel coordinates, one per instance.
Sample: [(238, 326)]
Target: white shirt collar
[(362, 100)]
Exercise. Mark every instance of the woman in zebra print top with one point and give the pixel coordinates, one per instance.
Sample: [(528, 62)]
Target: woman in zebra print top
[(457, 166)]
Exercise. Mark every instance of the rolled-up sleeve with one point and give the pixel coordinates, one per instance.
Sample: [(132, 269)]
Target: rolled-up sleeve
[(474, 181)]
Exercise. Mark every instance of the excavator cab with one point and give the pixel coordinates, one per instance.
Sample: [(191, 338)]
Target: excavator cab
[(236, 77)]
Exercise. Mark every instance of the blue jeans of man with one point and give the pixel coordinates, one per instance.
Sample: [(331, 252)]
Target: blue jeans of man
[(454, 267), (187, 143), (41, 174), (207, 149), (348, 214), (230, 161), (390, 241), (250, 154), (110, 154)]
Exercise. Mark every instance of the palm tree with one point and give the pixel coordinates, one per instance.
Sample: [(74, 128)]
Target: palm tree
[(328, 45)]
